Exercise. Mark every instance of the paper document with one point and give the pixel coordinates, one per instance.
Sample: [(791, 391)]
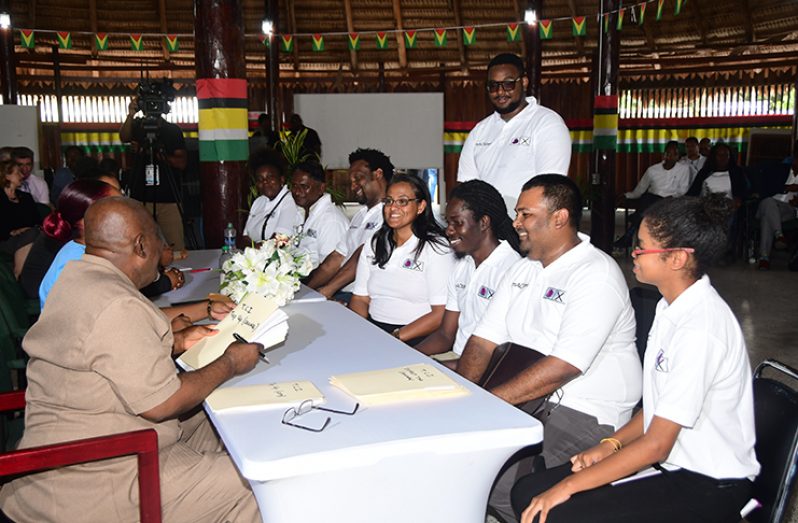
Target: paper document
[(270, 395), (256, 319), (413, 382)]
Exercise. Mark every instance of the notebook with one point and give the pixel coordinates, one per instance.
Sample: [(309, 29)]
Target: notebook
[(269, 395)]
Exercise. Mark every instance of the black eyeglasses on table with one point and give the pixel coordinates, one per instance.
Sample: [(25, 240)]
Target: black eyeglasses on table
[(306, 406)]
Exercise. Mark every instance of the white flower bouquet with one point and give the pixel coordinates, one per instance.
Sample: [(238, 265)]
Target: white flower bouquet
[(273, 270)]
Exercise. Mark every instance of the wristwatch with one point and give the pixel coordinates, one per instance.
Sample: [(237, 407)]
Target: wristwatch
[(395, 333)]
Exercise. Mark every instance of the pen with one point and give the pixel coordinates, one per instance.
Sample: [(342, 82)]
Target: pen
[(240, 339), (189, 269)]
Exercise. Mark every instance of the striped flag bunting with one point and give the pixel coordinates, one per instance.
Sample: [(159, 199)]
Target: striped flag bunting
[(223, 123), (172, 43), (605, 22), (318, 42), (660, 5), (469, 35), (642, 17), (64, 40), (513, 34), (605, 122), (101, 41), (410, 39), (27, 38), (544, 29), (578, 26), (354, 41), (287, 43), (619, 22), (678, 7), (136, 42), (265, 40), (440, 38), (382, 40)]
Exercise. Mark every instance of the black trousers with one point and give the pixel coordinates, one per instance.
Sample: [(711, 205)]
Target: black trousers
[(680, 495), (389, 328)]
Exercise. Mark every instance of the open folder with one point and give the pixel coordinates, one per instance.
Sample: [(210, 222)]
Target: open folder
[(269, 395), (421, 381), (256, 319)]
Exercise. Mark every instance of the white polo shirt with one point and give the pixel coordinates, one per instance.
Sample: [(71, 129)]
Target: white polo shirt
[(407, 287), (362, 227), (36, 186), (578, 310), (285, 216), (323, 229), (663, 182), (507, 154), (693, 165), (470, 289), (786, 197), (718, 182), (697, 374)]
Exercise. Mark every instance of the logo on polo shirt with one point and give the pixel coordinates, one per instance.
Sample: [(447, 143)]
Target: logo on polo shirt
[(312, 233), (661, 363), (520, 285), (524, 140), (553, 294), (485, 292), (459, 285), (413, 265), (371, 225), (482, 144)]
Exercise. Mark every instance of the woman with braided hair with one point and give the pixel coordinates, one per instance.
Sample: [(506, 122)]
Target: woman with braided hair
[(483, 239)]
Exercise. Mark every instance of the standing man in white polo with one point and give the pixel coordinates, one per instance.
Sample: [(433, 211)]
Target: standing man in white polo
[(521, 139)]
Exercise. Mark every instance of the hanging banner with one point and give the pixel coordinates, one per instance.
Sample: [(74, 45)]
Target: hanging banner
[(28, 38), (382, 40), (354, 41), (286, 43), (619, 22), (678, 8), (513, 34), (605, 22), (101, 41), (642, 17), (410, 39), (318, 42), (223, 124), (136, 42), (605, 122), (578, 26), (265, 39), (64, 40), (660, 5), (172, 43), (544, 29), (469, 35), (440, 37)]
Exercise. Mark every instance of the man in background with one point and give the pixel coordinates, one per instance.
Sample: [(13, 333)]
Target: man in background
[(32, 184)]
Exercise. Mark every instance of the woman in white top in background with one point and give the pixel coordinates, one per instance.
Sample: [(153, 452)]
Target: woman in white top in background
[(402, 273), (274, 211), (697, 421)]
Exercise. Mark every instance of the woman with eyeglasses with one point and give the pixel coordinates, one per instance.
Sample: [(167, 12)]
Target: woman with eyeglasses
[(402, 273), (274, 211), (697, 421)]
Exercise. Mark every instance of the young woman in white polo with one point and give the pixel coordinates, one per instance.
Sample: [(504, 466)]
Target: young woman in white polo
[(697, 422)]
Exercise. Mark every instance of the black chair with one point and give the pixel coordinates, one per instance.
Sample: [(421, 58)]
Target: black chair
[(644, 302), (776, 415)]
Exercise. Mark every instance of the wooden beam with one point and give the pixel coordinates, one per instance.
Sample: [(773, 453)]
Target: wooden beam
[(454, 5), (577, 39), (292, 30), (748, 21), (93, 21), (698, 19), (350, 27), (164, 30), (400, 37)]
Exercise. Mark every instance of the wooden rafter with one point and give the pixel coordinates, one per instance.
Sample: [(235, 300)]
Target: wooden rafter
[(578, 40), (292, 30), (400, 37), (93, 22), (454, 5), (699, 22), (162, 15), (350, 27), (745, 9)]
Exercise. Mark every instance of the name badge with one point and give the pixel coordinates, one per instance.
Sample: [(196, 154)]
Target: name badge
[(485, 292), (524, 140), (413, 265), (553, 294)]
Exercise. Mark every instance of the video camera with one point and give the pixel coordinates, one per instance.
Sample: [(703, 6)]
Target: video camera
[(153, 97)]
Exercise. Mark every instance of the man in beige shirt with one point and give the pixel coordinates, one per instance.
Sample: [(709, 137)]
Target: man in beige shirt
[(101, 363)]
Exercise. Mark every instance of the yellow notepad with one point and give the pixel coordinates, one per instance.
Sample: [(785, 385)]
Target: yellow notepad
[(286, 394), (412, 382), (249, 319)]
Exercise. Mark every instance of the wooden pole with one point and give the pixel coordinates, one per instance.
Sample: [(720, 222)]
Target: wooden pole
[(59, 95), (602, 215), (273, 65), (533, 49), (350, 27), (219, 56), (400, 36), (8, 61)]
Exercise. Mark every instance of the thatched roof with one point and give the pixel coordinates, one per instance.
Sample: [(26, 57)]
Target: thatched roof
[(708, 38)]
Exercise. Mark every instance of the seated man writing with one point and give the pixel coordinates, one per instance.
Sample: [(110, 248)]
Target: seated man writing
[(569, 301), (486, 246), (101, 363), (370, 172)]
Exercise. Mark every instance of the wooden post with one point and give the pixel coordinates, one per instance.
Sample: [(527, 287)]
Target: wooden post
[(221, 87), (605, 131), (533, 49), (8, 61), (273, 67), (59, 95)]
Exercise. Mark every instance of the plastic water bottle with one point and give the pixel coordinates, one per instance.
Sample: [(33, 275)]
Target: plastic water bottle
[(230, 237)]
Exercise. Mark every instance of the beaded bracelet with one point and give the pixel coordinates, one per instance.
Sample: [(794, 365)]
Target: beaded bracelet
[(616, 444), (210, 310)]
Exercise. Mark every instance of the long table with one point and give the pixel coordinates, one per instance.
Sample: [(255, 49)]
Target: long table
[(198, 285), (423, 461)]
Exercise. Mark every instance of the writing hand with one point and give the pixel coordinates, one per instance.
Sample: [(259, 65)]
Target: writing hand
[(243, 356)]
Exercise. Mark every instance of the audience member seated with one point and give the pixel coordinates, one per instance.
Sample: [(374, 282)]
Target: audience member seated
[(693, 159), (485, 244), (35, 185), (263, 137), (101, 363), (274, 210), (569, 301), (775, 210), (19, 218), (370, 172), (402, 272), (704, 147), (65, 175), (62, 225), (325, 224), (669, 178), (697, 421)]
